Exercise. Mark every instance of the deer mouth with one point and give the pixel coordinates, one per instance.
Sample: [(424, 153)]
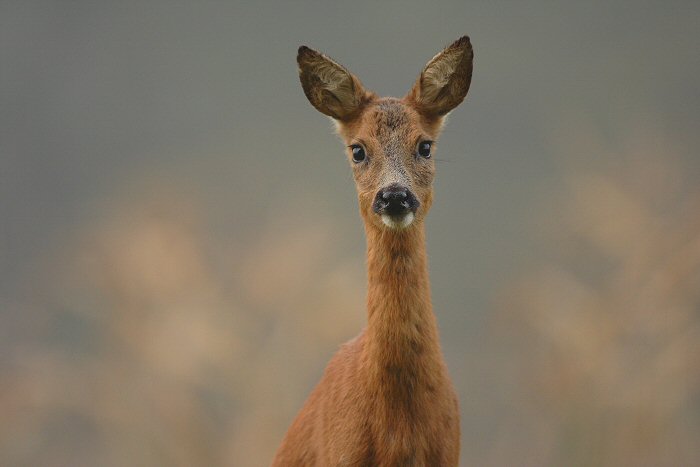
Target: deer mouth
[(400, 221)]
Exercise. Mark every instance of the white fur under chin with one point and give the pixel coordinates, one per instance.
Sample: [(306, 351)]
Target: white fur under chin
[(398, 223)]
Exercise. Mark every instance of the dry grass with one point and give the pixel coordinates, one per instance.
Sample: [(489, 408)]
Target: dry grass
[(608, 332), (174, 348), (147, 341)]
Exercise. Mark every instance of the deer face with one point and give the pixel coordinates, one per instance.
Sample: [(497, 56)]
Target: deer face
[(390, 142), (390, 150)]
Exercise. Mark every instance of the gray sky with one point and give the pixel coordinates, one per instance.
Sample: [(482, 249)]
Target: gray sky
[(96, 95), (205, 97)]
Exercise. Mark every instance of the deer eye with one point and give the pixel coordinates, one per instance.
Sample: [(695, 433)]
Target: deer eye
[(424, 149), (358, 153)]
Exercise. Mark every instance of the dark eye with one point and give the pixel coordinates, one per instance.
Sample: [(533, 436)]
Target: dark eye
[(358, 153), (424, 149)]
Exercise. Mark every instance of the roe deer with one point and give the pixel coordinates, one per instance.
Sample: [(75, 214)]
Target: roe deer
[(385, 398)]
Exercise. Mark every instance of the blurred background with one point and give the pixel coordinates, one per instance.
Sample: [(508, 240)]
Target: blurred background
[(181, 253)]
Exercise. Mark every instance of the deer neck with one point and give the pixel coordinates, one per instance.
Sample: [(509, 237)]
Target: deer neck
[(402, 333)]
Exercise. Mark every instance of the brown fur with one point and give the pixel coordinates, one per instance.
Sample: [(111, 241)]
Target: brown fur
[(385, 398)]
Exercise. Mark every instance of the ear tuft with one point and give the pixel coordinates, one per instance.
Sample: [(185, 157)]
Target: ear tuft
[(330, 88), (461, 42), (304, 52), (445, 80)]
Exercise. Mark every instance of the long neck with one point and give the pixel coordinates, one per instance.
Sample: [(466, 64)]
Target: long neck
[(401, 332)]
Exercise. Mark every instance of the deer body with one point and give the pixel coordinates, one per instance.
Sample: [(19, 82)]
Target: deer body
[(385, 398)]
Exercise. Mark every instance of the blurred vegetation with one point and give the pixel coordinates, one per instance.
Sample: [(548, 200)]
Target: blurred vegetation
[(607, 332), (152, 346), (149, 342)]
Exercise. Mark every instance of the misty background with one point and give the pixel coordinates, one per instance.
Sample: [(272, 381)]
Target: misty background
[(181, 251)]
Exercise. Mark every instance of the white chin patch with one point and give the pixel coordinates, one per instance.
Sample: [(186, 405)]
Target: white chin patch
[(398, 222)]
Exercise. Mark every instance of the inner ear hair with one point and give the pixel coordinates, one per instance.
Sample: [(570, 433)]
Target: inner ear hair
[(444, 82), (329, 86)]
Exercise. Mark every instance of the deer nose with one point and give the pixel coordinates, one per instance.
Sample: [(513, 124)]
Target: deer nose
[(394, 200), (397, 194)]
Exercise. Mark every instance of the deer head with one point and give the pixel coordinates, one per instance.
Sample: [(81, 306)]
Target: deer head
[(390, 142)]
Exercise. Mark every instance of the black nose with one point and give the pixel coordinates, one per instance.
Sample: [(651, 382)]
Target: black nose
[(394, 200)]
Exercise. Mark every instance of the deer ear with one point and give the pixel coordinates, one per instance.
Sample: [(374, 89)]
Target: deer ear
[(444, 82), (330, 88)]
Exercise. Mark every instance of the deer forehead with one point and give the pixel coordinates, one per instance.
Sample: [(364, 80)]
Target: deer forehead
[(388, 125)]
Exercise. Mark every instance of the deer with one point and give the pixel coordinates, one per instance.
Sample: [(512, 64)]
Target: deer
[(385, 397)]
